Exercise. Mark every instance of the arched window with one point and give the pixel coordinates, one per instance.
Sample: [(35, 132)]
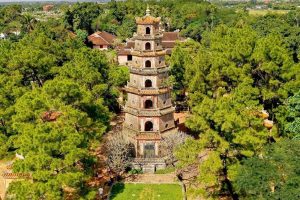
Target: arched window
[(147, 30), (148, 104), (148, 63), (148, 126), (148, 83), (148, 46)]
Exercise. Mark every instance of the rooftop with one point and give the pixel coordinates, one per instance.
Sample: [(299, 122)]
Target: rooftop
[(102, 38)]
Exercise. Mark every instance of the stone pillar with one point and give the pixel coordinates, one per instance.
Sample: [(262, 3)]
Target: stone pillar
[(156, 148)]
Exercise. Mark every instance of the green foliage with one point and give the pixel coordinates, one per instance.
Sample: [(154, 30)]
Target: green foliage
[(272, 175), (179, 61), (292, 126), (55, 152), (81, 15), (28, 23), (44, 73), (188, 152), (233, 66), (165, 171), (10, 18), (119, 75), (105, 22), (192, 17), (35, 61), (135, 171), (81, 34), (126, 29), (234, 74)]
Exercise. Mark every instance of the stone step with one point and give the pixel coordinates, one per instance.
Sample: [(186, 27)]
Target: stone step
[(149, 168)]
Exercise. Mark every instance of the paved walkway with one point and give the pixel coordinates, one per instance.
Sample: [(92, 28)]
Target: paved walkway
[(2, 186), (152, 178)]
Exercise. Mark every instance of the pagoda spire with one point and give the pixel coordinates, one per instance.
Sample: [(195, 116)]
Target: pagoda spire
[(148, 10)]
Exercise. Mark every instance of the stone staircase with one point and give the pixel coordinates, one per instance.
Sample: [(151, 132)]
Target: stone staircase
[(148, 168), (148, 165)]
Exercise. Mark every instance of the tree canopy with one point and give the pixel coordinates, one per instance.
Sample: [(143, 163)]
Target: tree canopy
[(233, 74), (272, 175), (57, 96)]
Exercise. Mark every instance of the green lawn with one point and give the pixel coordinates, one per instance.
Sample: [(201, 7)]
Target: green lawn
[(130, 191)]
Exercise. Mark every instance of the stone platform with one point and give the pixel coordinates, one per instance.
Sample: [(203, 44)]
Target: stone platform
[(149, 165)]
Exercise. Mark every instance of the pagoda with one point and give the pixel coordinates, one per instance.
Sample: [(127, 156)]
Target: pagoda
[(149, 114)]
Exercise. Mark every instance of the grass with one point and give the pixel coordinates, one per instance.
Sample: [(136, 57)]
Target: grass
[(165, 171), (131, 191), (264, 12)]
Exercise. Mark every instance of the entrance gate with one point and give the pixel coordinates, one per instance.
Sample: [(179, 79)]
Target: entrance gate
[(149, 151)]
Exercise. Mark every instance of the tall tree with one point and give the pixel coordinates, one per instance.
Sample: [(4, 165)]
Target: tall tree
[(292, 121), (81, 15), (55, 126), (235, 74), (272, 175)]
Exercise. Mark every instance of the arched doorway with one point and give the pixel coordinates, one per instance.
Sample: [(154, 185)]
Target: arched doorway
[(148, 104), (149, 150), (148, 83), (148, 30), (148, 126), (148, 46), (148, 63)]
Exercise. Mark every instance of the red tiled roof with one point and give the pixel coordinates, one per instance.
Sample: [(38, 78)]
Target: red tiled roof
[(169, 39), (167, 45), (125, 49), (123, 52), (129, 44), (171, 36), (47, 7), (101, 38)]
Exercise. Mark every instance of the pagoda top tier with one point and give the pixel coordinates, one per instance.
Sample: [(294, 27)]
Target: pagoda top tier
[(147, 19)]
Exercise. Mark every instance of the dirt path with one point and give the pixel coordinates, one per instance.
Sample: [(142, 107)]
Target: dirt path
[(2, 185), (152, 178)]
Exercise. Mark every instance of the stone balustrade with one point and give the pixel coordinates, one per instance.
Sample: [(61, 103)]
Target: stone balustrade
[(148, 71), (148, 112)]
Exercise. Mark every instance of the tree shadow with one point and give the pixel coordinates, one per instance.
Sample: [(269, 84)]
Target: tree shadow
[(116, 189)]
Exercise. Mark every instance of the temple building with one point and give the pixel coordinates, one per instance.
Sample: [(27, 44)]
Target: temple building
[(101, 40), (149, 115)]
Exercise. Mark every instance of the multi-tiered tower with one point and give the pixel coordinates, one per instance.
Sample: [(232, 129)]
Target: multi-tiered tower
[(149, 114)]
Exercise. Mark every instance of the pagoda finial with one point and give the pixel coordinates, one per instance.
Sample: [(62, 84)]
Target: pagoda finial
[(148, 10)]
